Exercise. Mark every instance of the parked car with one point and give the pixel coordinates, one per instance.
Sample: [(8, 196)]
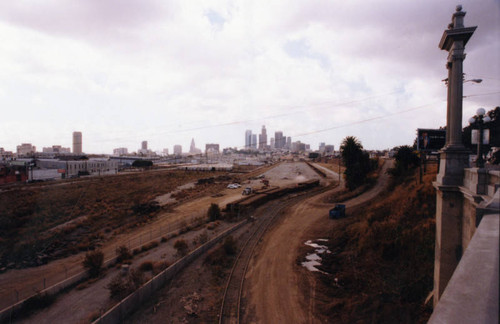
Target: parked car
[(233, 186), (337, 212)]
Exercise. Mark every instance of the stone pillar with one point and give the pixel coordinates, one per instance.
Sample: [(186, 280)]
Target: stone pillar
[(454, 158)]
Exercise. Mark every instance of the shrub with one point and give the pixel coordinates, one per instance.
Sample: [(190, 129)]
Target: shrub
[(146, 266), (123, 253), (159, 266), (213, 212), (181, 247), (149, 246), (93, 262), (120, 287)]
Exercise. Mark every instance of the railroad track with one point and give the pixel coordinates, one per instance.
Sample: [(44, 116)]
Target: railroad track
[(230, 311)]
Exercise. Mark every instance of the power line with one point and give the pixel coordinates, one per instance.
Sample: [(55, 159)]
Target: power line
[(482, 94), (362, 121)]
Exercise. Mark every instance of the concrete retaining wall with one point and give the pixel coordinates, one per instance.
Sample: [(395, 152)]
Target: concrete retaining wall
[(137, 298)]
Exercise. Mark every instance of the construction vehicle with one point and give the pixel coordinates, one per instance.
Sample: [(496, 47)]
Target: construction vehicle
[(337, 212)]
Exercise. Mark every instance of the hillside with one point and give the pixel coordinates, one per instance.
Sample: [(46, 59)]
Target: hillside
[(381, 268)]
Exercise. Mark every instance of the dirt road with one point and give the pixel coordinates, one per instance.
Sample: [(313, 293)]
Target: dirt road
[(274, 288)]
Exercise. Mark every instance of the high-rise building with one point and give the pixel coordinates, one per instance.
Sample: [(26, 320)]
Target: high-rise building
[(272, 143), (144, 145), (263, 138), (288, 144), (279, 140), (321, 147), (77, 143), (193, 149), (248, 138), (178, 149), (254, 141)]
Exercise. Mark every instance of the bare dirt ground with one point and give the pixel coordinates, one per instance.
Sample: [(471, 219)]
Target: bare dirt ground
[(82, 305), (16, 284), (277, 289), (194, 296)]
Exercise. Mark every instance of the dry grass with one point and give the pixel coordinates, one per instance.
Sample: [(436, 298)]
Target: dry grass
[(384, 265), (43, 222)]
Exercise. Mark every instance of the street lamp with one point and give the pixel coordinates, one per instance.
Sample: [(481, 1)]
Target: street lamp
[(474, 80), (479, 121)]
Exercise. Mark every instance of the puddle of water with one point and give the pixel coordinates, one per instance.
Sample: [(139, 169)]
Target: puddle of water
[(314, 258), (311, 265)]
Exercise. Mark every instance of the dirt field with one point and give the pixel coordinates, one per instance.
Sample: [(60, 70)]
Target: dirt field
[(278, 290), (197, 288), (20, 283)]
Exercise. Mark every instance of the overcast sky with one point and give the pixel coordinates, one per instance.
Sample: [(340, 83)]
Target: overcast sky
[(125, 71)]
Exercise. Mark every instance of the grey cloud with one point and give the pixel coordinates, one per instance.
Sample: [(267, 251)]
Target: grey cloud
[(91, 20)]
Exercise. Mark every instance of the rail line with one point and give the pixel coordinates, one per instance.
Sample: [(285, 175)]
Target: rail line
[(230, 311)]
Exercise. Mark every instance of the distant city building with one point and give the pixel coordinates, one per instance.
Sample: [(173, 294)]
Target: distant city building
[(165, 151), (25, 149), (5, 154), (56, 149), (212, 148), (298, 147), (77, 143), (271, 143), (120, 151), (178, 149), (288, 144), (248, 138), (329, 149), (144, 149), (279, 140), (263, 138), (321, 148), (193, 149), (254, 141)]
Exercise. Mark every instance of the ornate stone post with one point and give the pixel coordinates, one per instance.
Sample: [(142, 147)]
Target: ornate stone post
[(454, 158)]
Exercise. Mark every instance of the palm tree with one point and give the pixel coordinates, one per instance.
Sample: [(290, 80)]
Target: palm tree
[(356, 161)]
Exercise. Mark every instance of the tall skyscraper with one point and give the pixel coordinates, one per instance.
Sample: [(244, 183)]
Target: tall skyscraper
[(279, 140), (248, 138), (77, 142), (177, 149), (272, 143), (263, 138), (192, 147), (254, 141), (144, 145), (288, 143)]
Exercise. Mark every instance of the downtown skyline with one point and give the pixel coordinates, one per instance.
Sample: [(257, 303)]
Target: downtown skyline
[(172, 71)]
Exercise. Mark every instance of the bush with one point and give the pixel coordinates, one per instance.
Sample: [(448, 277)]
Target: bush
[(149, 246), (213, 212), (159, 266), (93, 262), (146, 266), (123, 253), (181, 247), (120, 287)]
